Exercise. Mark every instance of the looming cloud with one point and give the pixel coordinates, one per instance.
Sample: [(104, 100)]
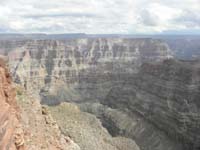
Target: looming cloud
[(94, 16)]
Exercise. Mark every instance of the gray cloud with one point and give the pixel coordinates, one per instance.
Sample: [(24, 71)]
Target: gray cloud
[(189, 18), (147, 18), (94, 16)]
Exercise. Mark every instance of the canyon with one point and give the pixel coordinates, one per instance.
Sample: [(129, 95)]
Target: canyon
[(108, 92)]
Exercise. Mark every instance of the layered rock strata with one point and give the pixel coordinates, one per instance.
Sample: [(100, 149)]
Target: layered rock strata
[(167, 95), (159, 98), (36, 64)]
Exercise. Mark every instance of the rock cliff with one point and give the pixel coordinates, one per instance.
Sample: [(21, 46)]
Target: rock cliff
[(167, 95), (43, 63), (87, 131), (24, 125), (41, 131), (10, 138), (131, 85)]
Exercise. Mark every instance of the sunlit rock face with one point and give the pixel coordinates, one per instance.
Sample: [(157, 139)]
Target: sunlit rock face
[(131, 85)]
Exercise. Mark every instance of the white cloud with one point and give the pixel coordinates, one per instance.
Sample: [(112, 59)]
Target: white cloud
[(95, 16)]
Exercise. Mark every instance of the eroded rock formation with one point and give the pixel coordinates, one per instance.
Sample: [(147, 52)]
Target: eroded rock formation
[(129, 84), (24, 125), (87, 130), (11, 135), (36, 64), (41, 131), (167, 95)]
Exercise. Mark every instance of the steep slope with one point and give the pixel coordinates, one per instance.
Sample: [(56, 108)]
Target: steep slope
[(41, 132), (10, 136), (121, 121), (40, 63), (184, 47), (86, 130), (24, 124), (167, 95), (126, 83)]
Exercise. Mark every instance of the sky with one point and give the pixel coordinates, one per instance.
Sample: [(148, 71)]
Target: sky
[(100, 16)]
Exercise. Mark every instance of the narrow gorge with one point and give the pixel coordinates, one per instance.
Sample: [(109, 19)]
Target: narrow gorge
[(112, 93)]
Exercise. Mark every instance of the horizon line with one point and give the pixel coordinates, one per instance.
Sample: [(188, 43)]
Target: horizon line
[(132, 34)]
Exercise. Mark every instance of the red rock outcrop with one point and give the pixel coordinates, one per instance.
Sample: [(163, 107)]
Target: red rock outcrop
[(26, 125), (10, 137)]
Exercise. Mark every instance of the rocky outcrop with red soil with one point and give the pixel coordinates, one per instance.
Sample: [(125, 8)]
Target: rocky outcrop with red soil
[(41, 132), (11, 136), (24, 124)]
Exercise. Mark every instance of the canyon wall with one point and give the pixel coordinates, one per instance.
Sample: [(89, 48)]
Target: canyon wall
[(44, 63), (167, 94), (131, 85), (184, 47)]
